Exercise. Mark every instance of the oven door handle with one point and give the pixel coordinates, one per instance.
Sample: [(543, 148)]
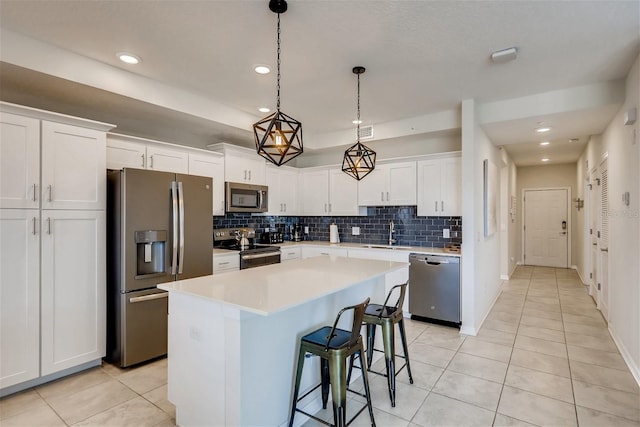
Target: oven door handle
[(260, 255)]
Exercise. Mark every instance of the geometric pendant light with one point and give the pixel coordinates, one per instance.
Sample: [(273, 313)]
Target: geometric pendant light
[(278, 136), (359, 160)]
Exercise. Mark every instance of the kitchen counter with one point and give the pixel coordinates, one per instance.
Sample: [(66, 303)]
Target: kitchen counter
[(233, 338), (372, 247)]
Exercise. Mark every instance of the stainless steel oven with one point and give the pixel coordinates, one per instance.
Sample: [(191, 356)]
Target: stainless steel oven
[(242, 240), (259, 256)]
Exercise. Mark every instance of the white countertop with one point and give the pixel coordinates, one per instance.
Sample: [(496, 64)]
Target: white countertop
[(274, 288), (319, 243)]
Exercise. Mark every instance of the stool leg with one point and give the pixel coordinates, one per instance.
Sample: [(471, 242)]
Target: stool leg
[(389, 357), (351, 360), (365, 380), (338, 374), (296, 387), (371, 339), (403, 337), (325, 380)]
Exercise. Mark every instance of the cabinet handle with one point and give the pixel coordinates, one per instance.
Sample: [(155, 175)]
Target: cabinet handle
[(442, 206), (382, 196), (249, 175), (245, 174), (34, 225), (151, 162), (325, 207), (285, 207), (436, 204), (34, 192), (387, 196), (50, 191), (142, 155), (329, 207), (49, 225), (223, 263)]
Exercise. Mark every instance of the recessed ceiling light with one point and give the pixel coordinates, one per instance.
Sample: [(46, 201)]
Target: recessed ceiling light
[(356, 122), (574, 140), (264, 109), (545, 143), (129, 58), (545, 159), (262, 69), (543, 129)]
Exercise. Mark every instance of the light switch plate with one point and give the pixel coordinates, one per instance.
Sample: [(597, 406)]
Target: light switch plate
[(446, 233), (355, 231)]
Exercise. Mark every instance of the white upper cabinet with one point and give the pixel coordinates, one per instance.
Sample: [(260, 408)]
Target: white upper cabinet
[(123, 153), (19, 161), (167, 159), (210, 164), (439, 187), (392, 184), (326, 192), (283, 190), (241, 164), (73, 167)]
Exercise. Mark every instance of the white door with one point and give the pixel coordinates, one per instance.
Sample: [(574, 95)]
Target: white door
[(73, 288), (19, 296), (401, 184), (314, 192), (546, 227), (371, 190), (429, 192), (603, 294), (594, 231), (211, 166), (19, 161), (73, 167), (160, 158), (343, 193), (126, 154)]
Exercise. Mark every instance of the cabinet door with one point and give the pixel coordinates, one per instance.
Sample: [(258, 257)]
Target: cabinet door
[(167, 159), (73, 288), (19, 161), (401, 184), (429, 188), (288, 189), (213, 166), (225, 263), (314, 192), (19, 296), (452, 187), (276, 206), (247, 168), (126, 154), (73, 167), (343, 193), (372, 188)]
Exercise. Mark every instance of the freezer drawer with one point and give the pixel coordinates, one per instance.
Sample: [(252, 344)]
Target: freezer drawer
[(434, 287), (144, 330)]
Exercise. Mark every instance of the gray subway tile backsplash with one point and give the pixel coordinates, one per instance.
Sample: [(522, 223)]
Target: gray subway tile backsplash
[(411, 230)]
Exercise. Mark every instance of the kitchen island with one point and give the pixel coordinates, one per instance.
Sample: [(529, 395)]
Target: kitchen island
[(233, 338)]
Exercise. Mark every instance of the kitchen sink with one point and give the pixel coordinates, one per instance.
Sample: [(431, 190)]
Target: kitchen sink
[(386, 247)]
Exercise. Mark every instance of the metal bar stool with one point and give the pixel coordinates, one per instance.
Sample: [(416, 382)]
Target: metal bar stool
[(333, 346), (387, 316)]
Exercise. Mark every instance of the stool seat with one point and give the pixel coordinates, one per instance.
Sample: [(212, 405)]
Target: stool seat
[(334, 346), (384, 312), (321, 337)]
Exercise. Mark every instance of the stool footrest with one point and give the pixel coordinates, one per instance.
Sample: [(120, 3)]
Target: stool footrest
[(323, 421)]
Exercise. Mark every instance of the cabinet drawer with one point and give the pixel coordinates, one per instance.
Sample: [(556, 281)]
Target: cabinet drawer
[(290, 253), (223, 263)]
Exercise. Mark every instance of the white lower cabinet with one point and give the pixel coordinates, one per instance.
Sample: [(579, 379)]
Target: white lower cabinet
[(73, 288), (19, 296), (53, 292), (223, 263), (288, 254)]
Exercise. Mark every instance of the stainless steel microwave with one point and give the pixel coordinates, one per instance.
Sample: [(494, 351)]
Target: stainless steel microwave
[(241, 197)]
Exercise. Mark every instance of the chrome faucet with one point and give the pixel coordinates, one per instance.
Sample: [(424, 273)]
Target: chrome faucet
[(392, 229)]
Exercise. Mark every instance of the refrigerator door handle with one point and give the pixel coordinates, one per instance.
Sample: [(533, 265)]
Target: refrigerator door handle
[(174, 228), (148, 297), (181, 207)]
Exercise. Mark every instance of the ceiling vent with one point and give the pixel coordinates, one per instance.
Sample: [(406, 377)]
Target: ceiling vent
[(366, 132)]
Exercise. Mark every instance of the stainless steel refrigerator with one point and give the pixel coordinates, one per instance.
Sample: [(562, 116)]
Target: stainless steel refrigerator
[(159, 228)]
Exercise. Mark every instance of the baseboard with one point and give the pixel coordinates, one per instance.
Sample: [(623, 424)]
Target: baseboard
[(504, 277), (628, 359)]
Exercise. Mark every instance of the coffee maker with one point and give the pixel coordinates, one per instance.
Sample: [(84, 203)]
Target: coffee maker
[(296, 236)]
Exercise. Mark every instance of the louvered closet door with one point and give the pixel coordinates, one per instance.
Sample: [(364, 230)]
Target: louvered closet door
[(603, 302)]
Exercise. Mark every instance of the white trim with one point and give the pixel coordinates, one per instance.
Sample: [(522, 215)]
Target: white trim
[(626, 356)]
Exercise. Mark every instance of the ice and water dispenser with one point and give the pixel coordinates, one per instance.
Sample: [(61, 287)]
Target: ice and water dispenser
[(151, 252)]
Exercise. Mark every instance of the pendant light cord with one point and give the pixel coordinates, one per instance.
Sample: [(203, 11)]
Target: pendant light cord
[(358, 118), (278, 66)]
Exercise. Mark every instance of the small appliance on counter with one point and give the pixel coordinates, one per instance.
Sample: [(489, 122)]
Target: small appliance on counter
[(333, 234), (271, 237), (296, 235)]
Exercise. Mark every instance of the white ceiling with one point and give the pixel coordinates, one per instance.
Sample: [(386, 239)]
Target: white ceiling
[(422, 57)]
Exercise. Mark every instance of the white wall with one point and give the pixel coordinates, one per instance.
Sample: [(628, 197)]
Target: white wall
[(547, 176), (480, 254), (621, 144)]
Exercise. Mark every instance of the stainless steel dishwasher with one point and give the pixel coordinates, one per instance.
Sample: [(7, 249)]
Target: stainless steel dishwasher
[(434, 287)]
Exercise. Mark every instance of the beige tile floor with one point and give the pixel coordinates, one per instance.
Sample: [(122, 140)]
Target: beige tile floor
[(543, 357)]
